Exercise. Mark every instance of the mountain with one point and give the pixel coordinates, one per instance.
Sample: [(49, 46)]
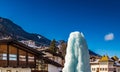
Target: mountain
[(93, 53), (12, 30), (8, 29)]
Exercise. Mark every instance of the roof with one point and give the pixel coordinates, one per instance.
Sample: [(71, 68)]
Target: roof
[(117, 64), (53, 53), (49, 61), (96, 57), (96, 61), (115, 58), (21, 46), (105, 59), (31, 50)]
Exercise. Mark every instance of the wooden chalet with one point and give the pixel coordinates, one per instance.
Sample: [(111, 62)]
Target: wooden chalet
[(18, 57)]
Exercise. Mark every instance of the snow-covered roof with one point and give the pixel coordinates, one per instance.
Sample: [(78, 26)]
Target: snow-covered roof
[(96, 61), (117, 63)]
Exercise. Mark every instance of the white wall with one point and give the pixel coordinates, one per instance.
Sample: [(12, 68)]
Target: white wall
[(52, 68), (15, 69), (108, 65), (94, 67), (103, 65), (58, 59)]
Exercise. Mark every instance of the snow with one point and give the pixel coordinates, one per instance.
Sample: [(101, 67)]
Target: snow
[(39, 37), (117, 63), (96, 61), (29, 43), (77, 55), (33, 46)]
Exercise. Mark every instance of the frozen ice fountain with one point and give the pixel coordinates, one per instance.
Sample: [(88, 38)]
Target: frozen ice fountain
[(77, 55)]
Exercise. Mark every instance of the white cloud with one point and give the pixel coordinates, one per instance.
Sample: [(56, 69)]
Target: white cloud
[(109, 36)]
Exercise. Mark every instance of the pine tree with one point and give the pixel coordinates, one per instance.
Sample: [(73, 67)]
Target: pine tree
[(53, 47)]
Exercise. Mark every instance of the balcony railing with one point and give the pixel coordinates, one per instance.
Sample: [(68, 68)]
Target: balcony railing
[(3, 63)]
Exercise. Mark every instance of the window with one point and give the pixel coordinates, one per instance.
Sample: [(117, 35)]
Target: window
[(105, 69), (12, 57), (93, 69), (3, 56), (30, 57), (31, 61), (22, 58), (3, 52), (12, 53), (22, 55)]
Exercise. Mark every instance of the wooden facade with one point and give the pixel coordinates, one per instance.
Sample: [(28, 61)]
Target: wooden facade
[(16, 54)]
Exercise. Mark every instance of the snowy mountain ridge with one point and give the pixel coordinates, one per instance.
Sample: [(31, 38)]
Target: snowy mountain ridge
[(8, 29)]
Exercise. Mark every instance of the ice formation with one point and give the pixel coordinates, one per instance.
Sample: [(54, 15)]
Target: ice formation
[(77, 55)]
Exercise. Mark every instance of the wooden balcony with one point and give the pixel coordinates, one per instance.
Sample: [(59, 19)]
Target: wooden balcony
[(3, 63), (13, 63), (22, 64), (31, 64)]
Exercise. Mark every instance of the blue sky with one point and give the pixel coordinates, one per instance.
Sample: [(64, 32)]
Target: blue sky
[(57, 18)]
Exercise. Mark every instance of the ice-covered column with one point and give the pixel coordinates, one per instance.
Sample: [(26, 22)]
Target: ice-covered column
[(77, 55)]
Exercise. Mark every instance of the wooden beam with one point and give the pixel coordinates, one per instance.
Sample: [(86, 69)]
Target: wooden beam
[(27, 59), (8, 55), (17, 57), (35, 61)]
